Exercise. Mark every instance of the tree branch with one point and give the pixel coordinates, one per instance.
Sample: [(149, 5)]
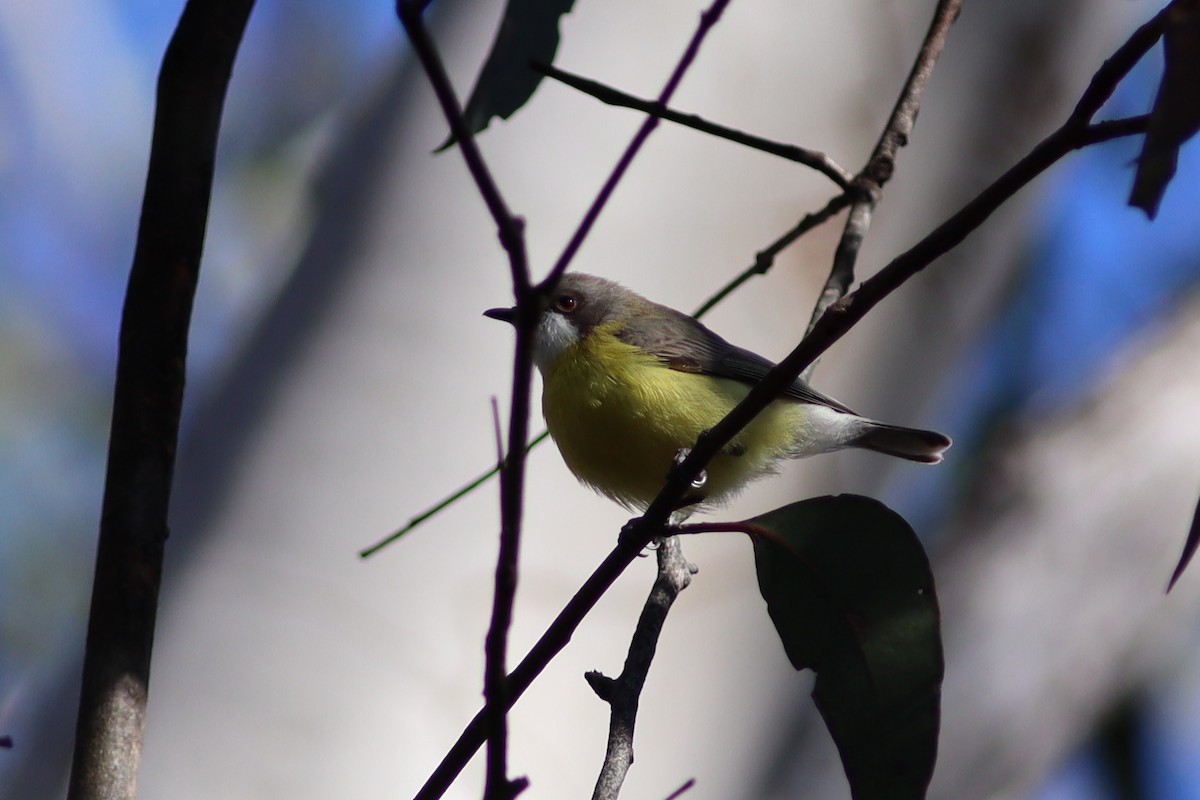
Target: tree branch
[(148, 397), (882, 163), (613, 97), (622, 694), (512, 474), (765, 259)]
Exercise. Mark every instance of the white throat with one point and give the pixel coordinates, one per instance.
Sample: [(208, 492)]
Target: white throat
[(554, 335)]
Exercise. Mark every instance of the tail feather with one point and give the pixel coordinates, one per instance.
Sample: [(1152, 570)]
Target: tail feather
[(911, 443)]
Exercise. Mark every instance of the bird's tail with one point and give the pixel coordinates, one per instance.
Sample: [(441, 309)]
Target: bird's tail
[(910, 443)]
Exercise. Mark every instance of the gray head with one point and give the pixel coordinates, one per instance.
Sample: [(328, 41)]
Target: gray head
[(577, 305)]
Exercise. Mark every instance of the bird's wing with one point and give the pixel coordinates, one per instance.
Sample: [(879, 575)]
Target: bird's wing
[(684, 344)]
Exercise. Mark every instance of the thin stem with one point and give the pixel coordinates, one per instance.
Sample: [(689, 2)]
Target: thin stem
[(411, 14), (765, 258), (614, 97), (708, 19), (682, 790), (881, 165), (512, 477), (445, 502)]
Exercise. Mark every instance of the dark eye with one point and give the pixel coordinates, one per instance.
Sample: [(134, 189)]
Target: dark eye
[(566, 303)]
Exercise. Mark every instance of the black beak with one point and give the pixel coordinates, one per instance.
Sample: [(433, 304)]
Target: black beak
[(508, 315)]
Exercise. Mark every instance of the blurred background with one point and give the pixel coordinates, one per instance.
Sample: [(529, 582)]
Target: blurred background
[(340, 375)]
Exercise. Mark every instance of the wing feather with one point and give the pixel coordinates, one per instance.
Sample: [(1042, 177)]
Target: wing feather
[(686, 345)]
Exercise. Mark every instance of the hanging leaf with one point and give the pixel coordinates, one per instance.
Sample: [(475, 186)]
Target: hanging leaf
[(528, 33), (850, 591), (1175, 117)]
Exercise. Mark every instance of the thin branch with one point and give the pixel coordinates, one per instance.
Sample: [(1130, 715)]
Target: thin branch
[(512, 478), (881, 165), (622, 694), (708, 19), (765, 258), (614, 97), (148, 397), (686, 787), (411, 15)]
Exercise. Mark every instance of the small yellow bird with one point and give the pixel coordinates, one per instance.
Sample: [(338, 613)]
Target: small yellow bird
[(629, 385)]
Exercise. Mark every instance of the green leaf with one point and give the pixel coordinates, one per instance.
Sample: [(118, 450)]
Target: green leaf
[(528, 34), (850, 591)]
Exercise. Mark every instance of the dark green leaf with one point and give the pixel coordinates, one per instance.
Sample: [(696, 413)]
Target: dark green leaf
[(528, 34), (850, 591)]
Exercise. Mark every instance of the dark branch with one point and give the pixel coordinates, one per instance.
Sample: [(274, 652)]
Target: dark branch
[(613, 97), (882, 163), (148, 398), (512, 477), (623, 693), (765, 258), (682, 790)]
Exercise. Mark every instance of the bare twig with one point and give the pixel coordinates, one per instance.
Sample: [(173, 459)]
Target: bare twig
[(614, 97), (686, 787), (881, 165), (765, 258), (444, 503), (708, 19), (832, 325), (148, 397), (512, 478), (623, 692)]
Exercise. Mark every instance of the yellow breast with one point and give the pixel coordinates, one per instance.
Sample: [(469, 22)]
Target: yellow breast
[(619, 416)]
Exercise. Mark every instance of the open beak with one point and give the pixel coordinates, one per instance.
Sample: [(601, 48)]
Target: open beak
[(508, 315)]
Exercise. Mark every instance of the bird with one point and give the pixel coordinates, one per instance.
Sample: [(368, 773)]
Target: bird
[(628, 385)]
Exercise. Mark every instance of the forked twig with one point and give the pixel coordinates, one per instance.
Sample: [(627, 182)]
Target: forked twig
[(623, 692)]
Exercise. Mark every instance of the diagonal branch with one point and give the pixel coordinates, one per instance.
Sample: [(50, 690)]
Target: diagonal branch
[(148, 397), (613, 97)]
